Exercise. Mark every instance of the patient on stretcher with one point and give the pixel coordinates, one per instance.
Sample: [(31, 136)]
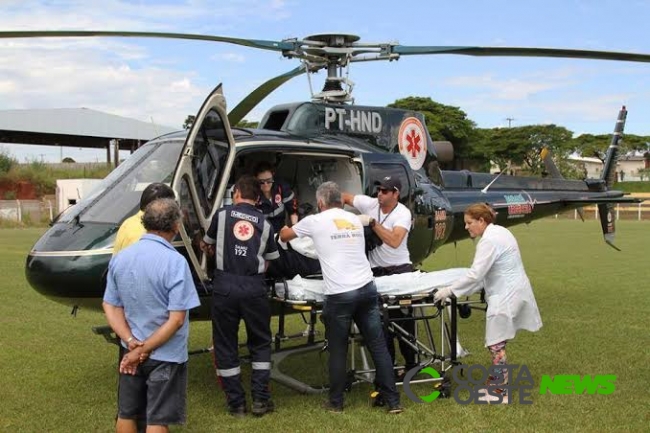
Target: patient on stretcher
[(411, 283), (299, 266)]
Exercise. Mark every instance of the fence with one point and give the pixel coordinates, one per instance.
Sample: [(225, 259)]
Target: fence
[(27, 211), (634, 211), (76, 165)]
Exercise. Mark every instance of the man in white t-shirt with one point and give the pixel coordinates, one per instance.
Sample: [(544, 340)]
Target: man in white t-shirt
[(391, 221), (350, 293)]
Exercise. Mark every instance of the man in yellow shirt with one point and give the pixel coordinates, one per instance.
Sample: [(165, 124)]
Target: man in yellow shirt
[(132, 229)]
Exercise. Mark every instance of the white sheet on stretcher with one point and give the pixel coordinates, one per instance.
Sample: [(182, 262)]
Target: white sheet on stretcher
[(411, 283)]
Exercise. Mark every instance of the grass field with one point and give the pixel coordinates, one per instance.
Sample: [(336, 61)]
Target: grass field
[(59, 377)]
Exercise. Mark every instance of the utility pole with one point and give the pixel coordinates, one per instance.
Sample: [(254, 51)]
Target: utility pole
[(510, 119)]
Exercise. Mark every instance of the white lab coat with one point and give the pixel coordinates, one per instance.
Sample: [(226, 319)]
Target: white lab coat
[(498, 267)]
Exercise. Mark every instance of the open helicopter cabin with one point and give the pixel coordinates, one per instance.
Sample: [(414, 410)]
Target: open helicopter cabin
[(309, 144)]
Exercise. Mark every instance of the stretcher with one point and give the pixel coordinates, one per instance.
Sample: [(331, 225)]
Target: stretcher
[(411, 283), (435, 340)]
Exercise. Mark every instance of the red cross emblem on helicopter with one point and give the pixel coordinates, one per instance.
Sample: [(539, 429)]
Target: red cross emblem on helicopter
[(243, 230), (412, 142)]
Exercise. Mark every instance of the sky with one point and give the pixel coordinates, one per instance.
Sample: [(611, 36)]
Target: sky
[(165, 80)]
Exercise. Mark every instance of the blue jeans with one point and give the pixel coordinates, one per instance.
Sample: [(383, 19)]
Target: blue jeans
[(360, 305)]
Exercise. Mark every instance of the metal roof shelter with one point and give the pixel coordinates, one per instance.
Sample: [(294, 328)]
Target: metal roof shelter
[(76, 127)]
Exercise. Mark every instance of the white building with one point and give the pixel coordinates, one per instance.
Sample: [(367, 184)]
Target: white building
[(627, 167), (70, 191)]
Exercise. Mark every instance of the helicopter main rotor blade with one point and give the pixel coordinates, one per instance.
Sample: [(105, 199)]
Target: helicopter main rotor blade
[(249, 102), (406, 50), (254, 43)]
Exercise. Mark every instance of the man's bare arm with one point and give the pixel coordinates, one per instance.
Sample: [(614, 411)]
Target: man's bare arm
[(347, 198), (117, 321), (165, 332), (133, 358), (393, 238), (287, 234)]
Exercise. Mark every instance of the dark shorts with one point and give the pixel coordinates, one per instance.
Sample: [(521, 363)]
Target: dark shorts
[(157, 389)]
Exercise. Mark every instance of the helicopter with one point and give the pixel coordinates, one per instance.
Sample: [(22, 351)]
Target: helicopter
[(326, 139)]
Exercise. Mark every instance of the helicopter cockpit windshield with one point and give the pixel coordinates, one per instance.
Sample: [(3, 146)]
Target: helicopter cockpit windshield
[(118, 195)]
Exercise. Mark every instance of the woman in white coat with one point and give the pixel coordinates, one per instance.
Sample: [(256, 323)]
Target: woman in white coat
[(498, 268)]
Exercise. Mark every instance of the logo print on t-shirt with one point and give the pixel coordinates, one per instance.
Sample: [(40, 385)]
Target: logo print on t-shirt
[(343, 224), (243, 230)]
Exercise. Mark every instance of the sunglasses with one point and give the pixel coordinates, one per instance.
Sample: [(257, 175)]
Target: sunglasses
[(265, 181), (385, 190)]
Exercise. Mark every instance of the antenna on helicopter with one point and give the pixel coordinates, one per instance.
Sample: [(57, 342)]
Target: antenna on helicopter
[(485, 190)]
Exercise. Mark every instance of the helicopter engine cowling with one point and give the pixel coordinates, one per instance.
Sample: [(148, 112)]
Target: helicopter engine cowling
[(444, 151)]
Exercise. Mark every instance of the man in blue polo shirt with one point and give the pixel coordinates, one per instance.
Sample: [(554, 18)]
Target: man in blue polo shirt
[(148, 293)]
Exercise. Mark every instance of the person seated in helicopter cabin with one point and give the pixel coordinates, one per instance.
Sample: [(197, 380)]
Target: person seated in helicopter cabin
[(277, 199)]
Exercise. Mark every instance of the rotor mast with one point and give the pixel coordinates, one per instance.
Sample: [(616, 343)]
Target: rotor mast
[(333, 52)]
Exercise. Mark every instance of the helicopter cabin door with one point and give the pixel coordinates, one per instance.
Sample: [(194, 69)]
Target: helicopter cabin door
[(201, 174)]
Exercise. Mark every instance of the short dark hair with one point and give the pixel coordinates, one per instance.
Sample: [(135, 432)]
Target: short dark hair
[(263, 166), (155, 191), (248, 187), (161, 215)]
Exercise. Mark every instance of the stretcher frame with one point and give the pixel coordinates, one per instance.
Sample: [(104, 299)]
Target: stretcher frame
[(444, 355)]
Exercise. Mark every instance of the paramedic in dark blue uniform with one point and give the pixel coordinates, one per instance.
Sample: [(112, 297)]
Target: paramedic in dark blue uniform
[(242, 241), (277, 200)]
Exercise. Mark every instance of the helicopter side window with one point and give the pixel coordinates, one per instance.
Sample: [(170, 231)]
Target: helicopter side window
[(276, 120), (309, 119), (209, 155), (378, 171), (202, 167), (190, 219)]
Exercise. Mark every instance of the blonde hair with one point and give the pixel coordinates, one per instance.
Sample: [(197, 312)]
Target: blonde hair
[(481, 210)]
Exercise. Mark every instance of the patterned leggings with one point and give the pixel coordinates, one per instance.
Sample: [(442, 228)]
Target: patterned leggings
[(498, 352)]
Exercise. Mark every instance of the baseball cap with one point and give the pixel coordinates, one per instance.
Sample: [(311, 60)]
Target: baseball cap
[(390, 183)]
